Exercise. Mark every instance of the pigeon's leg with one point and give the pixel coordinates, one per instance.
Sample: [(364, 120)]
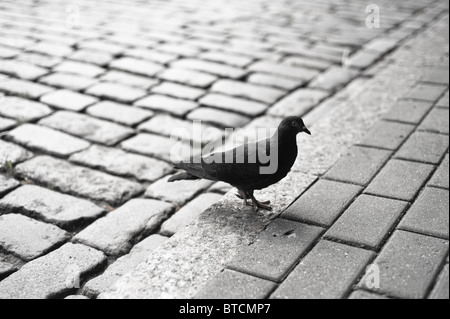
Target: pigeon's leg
[(257, 204), (243, 195)]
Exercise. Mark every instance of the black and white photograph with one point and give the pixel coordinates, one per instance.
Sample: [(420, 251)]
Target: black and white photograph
[(222, 156)]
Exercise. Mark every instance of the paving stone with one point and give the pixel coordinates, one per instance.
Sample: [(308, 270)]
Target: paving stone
[(95, 57), (440, 290), (432, 147), (129, 79), (185, 130), (359, 165), (298, 103), (361, 294), (367, 221), (362, 59), (400, 179), (80, 68), (444, 101), (118, 162), (274, 81), (441, 176), (87, 127), (152, 55), (123, 265), (136, 66), (8, 53), (408, 111), (276, 250), (438, 76), (48, 48), (188, 77), (177, 192), (77, 180), (6, 124), (102, 46), (327, 272), (231, 284), (41, 60), (167, 104), (7, 184), (307, 62), (178, 91), (333, 78), (323, 202), (8, 265), (214, 68), (408, 264), (227, 58), (188, 213), (23, 70), (47, 140), (436, 121), (28, 238), (220, 188), (246, 90), (429, 213), (24, 89), (292, 72), (117, 92), (63, 210), (76, 297), (179, 49), (382, 45), (55, 274), (12, 153), (387, 135), (119, 113), (114, 234), (218, 117), (156, 146), (426, 92), (68, 81), (22, 109), (69, 100), (233, 104)]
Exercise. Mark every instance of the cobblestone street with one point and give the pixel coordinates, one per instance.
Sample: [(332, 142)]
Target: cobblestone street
[(92, 91)]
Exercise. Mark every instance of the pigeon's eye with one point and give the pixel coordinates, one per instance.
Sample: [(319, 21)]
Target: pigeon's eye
[(294, 123)]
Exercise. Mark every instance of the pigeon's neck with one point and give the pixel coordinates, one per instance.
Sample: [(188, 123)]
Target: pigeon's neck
[(286, 141)]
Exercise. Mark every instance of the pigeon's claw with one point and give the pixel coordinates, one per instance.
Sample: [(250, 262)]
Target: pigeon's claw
[(263, 205)]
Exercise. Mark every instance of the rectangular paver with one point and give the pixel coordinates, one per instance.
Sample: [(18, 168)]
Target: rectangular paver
[(323, 202), (408, 264), (276, 250), (387, 135), (367, 221), (408, 111), (400, 179), (432, 147), (441, 176), (327, 272)]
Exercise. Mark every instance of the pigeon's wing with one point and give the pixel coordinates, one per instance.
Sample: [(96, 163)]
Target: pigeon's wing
[(240, 166), (195, 168)]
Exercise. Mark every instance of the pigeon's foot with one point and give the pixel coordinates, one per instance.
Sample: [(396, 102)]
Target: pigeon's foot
[(263, 205), (254, 202)]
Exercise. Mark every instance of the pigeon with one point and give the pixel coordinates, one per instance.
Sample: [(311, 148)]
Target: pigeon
[(251, 166)]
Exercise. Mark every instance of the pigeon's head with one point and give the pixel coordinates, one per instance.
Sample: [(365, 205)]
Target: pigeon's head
[(294, 125)]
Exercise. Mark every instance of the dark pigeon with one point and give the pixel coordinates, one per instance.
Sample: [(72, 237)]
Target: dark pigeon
[(252, 166)]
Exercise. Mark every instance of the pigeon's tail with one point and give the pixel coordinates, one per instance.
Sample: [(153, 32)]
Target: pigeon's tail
[(193, 171)]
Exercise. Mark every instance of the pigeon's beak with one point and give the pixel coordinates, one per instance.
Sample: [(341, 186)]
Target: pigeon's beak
[(304, 129)]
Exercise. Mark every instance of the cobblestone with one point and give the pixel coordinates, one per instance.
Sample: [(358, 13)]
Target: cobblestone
[(284, 70), (6, 124), (274, 81), (67, 81), (7, 184), (188, 77), (12, 153), (119, 113), (63, 210), (118, 162), (218, 117), (79, 68), (78, 180), (46, 140), (333, 78), (24, 89), (56, 273), (28, 238), (168, 104), (68, 100), (116, 92), (136, 66), (214, 68), (233, 104), (138, 81), (22, 109), (114, 233), (92, 129), (178, 91), (95, 57), (298, 103), (249, 91), (21, 70)]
